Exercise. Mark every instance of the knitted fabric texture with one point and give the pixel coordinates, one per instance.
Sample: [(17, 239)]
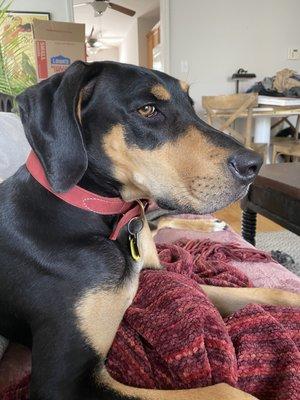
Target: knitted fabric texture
[(172, 337)]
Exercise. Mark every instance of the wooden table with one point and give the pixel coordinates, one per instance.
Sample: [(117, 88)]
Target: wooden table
[(275, 194), (269, 107)]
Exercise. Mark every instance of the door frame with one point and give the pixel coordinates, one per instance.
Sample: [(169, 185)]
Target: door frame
[(165, 34), (70, 10)]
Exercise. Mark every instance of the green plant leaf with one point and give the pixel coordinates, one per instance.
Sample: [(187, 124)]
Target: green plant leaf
[(11, 54)]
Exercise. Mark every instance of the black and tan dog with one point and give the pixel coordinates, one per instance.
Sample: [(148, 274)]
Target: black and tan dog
[(116, 130)]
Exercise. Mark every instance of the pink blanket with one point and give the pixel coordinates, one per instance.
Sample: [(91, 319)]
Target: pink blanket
[(271, 275)]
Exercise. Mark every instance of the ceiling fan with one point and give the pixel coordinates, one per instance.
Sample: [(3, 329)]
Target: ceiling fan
[(95, 44), (100, 6)]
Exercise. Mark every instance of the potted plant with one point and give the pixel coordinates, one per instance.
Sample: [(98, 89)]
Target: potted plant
[(16, 72)]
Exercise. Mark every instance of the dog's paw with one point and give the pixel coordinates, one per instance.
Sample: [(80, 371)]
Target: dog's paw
[(218, 225), (289, 299)]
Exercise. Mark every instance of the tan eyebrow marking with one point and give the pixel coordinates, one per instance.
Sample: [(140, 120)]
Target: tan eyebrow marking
[(184, 86), (160, 92)]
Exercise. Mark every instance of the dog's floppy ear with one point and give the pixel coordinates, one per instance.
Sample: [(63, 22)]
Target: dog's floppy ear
[(49, 115)]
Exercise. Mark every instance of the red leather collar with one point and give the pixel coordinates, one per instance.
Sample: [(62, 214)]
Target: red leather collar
[(81, 198)]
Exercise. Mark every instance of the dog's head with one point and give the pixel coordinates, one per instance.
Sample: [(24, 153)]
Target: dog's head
[(128, 131)]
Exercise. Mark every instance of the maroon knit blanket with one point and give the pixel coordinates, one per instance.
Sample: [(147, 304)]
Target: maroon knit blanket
[(172, 337)]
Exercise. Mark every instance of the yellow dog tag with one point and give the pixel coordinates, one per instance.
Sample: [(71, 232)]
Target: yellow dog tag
[(134, 250), (134, 228)]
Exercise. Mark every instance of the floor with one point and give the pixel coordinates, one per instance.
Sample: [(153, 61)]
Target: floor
[(232, 215)]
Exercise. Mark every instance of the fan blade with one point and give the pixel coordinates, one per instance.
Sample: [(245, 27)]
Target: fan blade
[(91, 34), (121, 9), (81, 4)]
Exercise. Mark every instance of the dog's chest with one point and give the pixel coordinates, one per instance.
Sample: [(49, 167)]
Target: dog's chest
[(99, 312)]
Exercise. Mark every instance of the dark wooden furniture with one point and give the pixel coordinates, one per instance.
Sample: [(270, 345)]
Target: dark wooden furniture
[(275, 194)]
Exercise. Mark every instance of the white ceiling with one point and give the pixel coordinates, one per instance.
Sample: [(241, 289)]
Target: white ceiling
[(114, 25)]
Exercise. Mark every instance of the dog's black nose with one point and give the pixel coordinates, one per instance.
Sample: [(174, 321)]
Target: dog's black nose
[(244, 165)]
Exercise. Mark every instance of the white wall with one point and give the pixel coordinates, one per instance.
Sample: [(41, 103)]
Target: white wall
[(111, 54), (217, 37), (61, 10), (129, 52)]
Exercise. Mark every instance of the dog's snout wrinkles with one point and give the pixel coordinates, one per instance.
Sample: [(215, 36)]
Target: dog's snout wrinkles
[(244, 165)]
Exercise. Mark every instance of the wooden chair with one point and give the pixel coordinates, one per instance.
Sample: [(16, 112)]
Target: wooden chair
[(287, 148), (236, 105)]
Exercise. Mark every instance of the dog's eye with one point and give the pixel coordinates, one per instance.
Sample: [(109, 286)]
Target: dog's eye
[(147, 111)]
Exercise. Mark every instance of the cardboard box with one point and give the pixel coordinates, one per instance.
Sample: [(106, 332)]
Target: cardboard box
[(57, 45)]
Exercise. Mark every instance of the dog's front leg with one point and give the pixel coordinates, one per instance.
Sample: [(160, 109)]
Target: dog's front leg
[(228, 300), (67, 351), (221, 391), (69, 360), (196, 224), (99, 314)]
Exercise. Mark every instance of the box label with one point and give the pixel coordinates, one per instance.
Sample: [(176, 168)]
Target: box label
[(41, 55), (59, 63)]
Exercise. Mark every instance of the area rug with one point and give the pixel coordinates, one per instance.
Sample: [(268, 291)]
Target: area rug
[(284, 247)]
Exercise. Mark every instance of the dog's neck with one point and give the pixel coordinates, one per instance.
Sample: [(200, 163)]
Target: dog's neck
[(99, 185), (60, 224), (80, 222), (89, 201)]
